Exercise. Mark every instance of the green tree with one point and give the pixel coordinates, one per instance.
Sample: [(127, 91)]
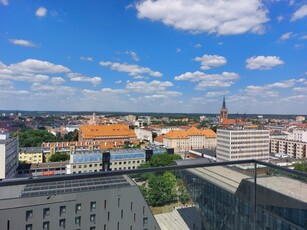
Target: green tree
[(58, 157), (301, 166), (34, 138), (163, 159), (71, 136), (162, 189), (154, 135)]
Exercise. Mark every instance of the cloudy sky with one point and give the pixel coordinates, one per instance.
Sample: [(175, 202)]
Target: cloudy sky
[(154, 56)]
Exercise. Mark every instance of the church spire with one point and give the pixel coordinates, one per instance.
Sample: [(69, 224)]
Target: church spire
[(224, 103)]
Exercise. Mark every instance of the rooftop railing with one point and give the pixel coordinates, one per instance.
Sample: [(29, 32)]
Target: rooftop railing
[(246, 194)]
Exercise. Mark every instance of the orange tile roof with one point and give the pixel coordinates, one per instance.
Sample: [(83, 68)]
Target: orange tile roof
[(159, 138), (94, 131), (176, 134)]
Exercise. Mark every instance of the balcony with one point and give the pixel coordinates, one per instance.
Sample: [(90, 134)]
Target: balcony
[(235, 195)]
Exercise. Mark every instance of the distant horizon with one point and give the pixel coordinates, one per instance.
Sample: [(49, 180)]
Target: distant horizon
[(132, 113), (164, 56)]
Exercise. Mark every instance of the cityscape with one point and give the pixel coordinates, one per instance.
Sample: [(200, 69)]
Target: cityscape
[(153, 114)]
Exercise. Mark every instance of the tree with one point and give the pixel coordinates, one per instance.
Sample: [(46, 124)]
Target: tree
[(71, 136), (301, 166), (34, 138), (163, 159), (58, 157), (162, 189), (154, 135)]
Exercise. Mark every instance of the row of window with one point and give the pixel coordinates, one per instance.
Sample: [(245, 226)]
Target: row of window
[(62, 210)]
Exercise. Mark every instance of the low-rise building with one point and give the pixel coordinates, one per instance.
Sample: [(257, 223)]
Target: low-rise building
[(42, 169), (31, 155), (193, 138), (125, 159), (144, 134)]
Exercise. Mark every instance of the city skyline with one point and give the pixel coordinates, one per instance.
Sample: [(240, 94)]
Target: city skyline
[(154, 56)]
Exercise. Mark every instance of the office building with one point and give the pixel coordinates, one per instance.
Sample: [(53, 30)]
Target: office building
[(226, 199), (8, 156), (125, 159), (92, 203), (242, 144)]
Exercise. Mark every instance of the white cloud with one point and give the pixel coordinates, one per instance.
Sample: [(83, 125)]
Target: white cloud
[(198, 45), (270, 90), (54, 88), (263, 62), (114, 91), (38, 66), (4, 2), (86, 59), (133, 55), (57, 80), (139, 77), (285, 36), (300, 89), (303, 37), (178, 50), (41, 12), (150, 87), (118, 81), (79, 77), (201, 76), (223, 80), (260, 91), (207, 16), (216, 93), (132, 70), (22, 42), (208, 61), (280, 18), (300, 13)]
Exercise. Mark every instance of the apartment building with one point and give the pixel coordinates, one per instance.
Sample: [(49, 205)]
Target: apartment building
[(242, 144), (298, 135), (32, 155), (8, 156), (294, 149), (193, 138)]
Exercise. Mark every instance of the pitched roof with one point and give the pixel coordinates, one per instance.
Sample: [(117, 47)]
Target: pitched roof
[(92, 131), (176, 134)]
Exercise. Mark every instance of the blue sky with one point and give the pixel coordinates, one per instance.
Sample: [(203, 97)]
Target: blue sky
[(154, 56)]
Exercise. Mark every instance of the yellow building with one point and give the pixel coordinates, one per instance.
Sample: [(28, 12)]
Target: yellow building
[(31, 155), (193, 138)]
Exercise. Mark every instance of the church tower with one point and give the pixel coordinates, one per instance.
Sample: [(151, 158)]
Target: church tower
[(223, 113)]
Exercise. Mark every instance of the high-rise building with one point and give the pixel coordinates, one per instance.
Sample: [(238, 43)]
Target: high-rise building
[(242, 144), (8, 156)]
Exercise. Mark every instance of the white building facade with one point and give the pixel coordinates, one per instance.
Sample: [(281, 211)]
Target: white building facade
[(242, 144), (8, 156), (298, 135)]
